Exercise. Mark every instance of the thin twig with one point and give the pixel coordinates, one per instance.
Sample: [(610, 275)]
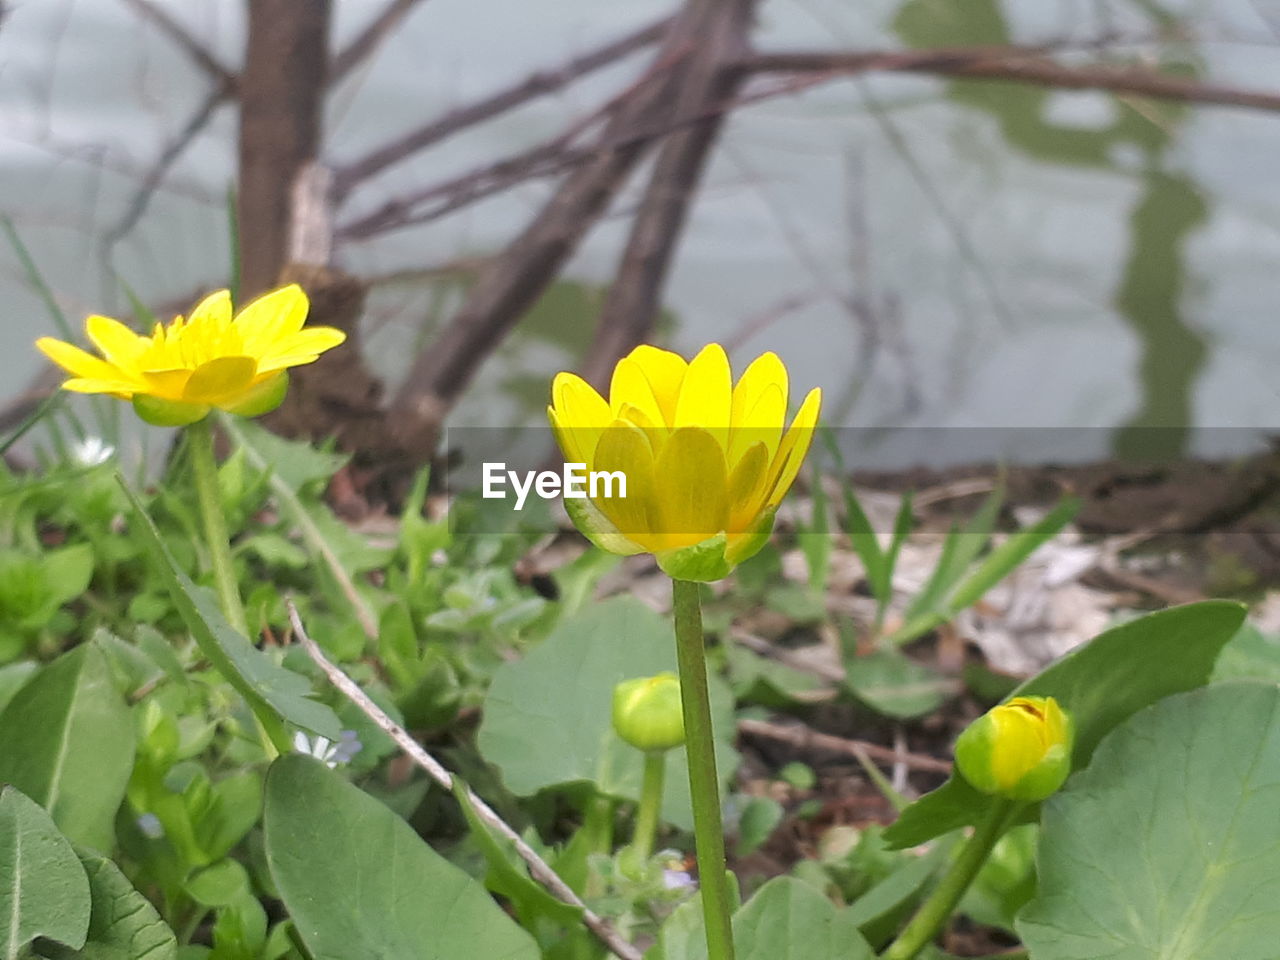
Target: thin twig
[(539, 869), (179, 34), (1019, 66), (138, 203), (807, 739), (368, 40), (535, 85)]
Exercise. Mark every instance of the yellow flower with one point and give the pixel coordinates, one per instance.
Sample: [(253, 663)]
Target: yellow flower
[(1020, 750), (211, 359), (706, 461)]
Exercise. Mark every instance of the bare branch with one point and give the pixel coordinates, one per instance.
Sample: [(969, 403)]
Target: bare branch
[(1015, 65), (806, 739), (180, 35), (534, 85), (632, 304), (369, 39), (137, 206), (539, 869)]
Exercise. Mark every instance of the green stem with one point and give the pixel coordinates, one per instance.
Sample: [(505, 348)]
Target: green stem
[(937, 909), (200, 443), (655, 768), (703, 784)]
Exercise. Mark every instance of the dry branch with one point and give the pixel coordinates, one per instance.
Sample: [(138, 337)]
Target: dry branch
[(634, 298), (369, 39), (1017, 66), (535, 85), (517, 277), (539, 869), (181, 36), (281, 104), (808, 740)]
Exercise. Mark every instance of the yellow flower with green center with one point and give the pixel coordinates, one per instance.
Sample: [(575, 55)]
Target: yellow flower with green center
[(208, 360), (706, 461), (1020, 750)]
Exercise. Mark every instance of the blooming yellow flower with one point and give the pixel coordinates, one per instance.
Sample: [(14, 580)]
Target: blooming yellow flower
[(1020, 749), (210, 359), (706, 461)]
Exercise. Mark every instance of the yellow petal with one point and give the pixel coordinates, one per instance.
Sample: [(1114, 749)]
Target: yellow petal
[(764, 372), (223, 379), (272, 317), (166, 384), (794, 446), (214, 309), (120, 345), (580, 411), (305, 346), (747, 487), (706, 395), (116, 388), (631, 388), (78, 362), (567, 439), (761, 423), (665, 372), (690, 484), (625, 448)]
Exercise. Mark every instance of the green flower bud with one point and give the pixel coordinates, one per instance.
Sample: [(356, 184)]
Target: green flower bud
[(1020, 750), (647, 712)]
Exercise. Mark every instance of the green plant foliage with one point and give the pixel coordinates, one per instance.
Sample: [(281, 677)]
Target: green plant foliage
[(43, 888), (893, 685), (785, 920), (1167, 845), (358, 882), (123, 925), (547, 717), (67, 742), (1251, 655), (266, 685), (1103, 683)]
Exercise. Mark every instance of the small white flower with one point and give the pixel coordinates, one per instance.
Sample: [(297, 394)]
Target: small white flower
[(322, 748), (151, 826), (676, 879), (92, 451)]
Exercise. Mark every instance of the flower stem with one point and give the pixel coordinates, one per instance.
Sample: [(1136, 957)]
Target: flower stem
[(655, 768), (937, 909), (703, 783), (200, 443)]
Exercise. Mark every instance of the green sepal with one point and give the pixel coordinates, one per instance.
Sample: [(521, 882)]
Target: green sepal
[(752, 543), (647, 712), (263, 398), (168, 413), (597, 528), (702, 562)]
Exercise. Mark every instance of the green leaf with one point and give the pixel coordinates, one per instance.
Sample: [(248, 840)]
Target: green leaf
[(879, 912), (547, 718), (1166, 847), (893, 685), (507, 874), (43, 888), (358, 882), (786, 920), (123, 925), (1251, 655), (997, 565), (67, 742), (759, 818), (267, 687), (1101, 684)]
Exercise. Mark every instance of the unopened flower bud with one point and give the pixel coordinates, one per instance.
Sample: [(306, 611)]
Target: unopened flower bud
[(647, 712), (1020, 750)]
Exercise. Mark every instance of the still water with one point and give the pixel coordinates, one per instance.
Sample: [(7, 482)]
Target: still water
[(972, 257)]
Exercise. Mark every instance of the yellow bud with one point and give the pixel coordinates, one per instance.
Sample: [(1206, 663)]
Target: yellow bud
[(1020, 750), (647, 712)]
